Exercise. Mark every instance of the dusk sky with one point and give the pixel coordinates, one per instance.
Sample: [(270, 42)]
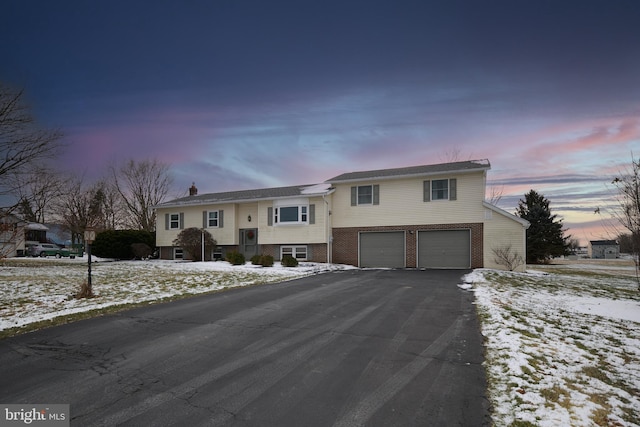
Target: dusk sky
[(249, 94)]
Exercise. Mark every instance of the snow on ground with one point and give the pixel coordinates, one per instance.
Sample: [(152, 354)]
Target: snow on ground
[(561, 348), (35, 289), (562, 342)]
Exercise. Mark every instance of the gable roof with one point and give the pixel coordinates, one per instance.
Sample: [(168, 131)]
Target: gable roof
[(411, 171), (250, 195), (603, 243), (515, 218)]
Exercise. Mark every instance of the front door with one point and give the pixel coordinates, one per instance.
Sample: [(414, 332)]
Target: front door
[(248, 242)]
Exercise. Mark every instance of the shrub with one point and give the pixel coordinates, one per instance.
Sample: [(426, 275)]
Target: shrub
[(190, 239), (289, 261), (118, 243), (256, 260), (266, 260), (141, 250), (236, 258)]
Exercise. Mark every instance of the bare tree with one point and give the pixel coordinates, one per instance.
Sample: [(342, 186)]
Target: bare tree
[(22, 142), (142, 185), (628, 213), (81, 207), (113, 210), (495, 194), (505, 255), (36, 192)]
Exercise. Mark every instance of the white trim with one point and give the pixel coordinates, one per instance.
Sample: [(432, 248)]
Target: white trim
[(496, 209), (294, 250), (171, 221), (303, 217)]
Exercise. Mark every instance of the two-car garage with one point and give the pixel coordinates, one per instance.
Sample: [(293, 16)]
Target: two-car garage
[(434, 248)]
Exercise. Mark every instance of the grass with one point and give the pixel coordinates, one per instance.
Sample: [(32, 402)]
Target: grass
[(44, 288), (572, 368)]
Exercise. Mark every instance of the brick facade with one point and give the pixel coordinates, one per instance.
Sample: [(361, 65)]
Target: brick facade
[(345, 242)]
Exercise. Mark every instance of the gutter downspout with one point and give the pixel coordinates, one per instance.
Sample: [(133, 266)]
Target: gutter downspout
[(327, 228)]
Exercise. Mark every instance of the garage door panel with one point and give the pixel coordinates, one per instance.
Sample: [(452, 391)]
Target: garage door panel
[(382, 249), (444, 249)]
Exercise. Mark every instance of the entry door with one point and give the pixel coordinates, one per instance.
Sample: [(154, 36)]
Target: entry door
[(249, 242)]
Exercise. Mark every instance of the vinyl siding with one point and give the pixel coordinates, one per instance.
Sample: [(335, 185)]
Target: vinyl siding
[(500, 231), (236, 217), (193, 218), (294, 233), (402, 202)]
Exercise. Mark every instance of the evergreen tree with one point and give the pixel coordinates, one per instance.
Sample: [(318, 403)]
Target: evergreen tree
[(545, 236)]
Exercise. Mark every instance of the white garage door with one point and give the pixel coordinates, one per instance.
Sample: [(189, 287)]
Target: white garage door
[(444, 249), (382, 249)]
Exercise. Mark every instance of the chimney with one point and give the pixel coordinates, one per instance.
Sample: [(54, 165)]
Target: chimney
[(193, 191)]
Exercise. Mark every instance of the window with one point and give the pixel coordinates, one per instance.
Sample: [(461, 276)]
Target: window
[(174, 221), (298, 252), (440, 189), (291, 215), (178, 253), (212, 219), (365, 195)]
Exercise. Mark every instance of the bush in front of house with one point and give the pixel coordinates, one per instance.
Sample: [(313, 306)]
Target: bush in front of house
[(191, 240), (236, 258), (289, 261), (118, 244), (263, 260)]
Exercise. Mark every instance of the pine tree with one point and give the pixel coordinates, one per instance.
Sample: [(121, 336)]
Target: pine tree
[(545, 236)]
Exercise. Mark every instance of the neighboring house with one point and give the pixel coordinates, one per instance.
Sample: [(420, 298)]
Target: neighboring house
[(16, 235), (431, 216), (603, 249)]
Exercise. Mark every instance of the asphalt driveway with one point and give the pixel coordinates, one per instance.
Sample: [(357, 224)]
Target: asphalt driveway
[(373, 347)]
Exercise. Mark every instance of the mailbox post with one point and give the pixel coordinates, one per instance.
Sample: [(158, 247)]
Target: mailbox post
[(89, 237)]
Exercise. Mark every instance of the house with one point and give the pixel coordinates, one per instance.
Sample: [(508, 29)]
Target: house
[(16, 235), (603, 249), (430, 216)]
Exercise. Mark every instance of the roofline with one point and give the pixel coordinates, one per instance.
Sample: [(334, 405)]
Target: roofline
[(526, 224), (223, 202), (412, 175)]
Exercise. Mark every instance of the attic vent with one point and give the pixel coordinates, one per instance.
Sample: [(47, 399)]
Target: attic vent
[(193, 191)]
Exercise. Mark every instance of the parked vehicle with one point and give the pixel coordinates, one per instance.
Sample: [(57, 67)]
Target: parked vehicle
[(48, 249)]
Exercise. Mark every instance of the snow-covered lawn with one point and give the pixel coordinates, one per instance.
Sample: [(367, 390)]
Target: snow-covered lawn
[(562, 345), (35, 290), (562, 341)]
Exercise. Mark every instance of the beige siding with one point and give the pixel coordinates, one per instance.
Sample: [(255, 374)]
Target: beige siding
[(402, 203), (293, 234), (236, 216), (502, 231), (193, 218)]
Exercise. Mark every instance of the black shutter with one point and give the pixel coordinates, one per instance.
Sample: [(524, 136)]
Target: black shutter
[(354, 196), (427, 191)]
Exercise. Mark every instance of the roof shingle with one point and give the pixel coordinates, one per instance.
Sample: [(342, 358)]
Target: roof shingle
[(413, 171)]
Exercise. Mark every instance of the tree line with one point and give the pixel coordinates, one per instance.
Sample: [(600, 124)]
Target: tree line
[(33, 189)]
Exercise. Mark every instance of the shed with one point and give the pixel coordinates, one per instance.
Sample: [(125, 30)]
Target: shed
[(603, 249)]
